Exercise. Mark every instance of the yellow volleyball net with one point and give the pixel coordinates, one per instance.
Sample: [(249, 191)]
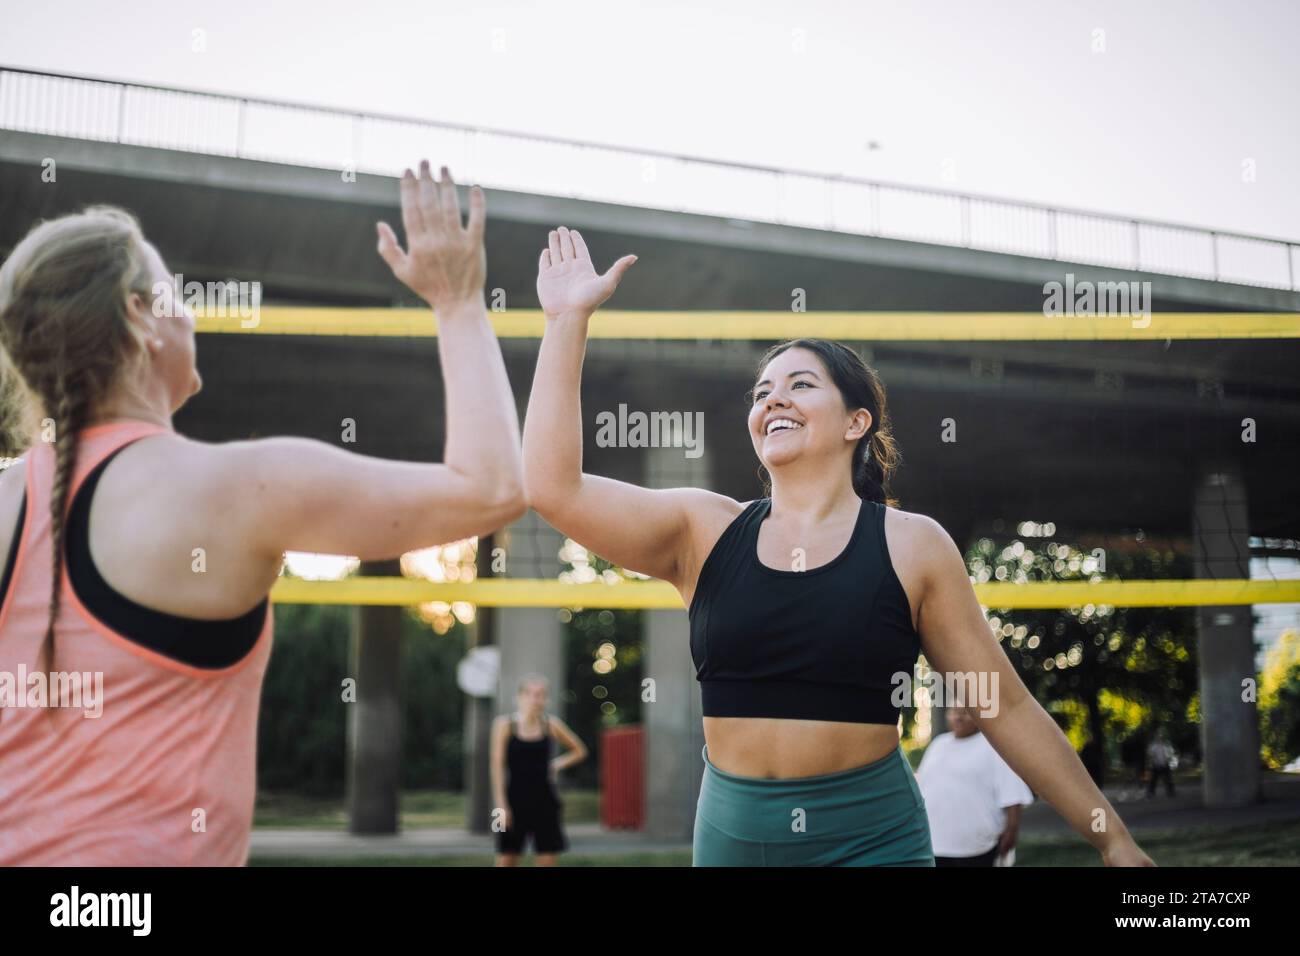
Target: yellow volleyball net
[(946, 361)]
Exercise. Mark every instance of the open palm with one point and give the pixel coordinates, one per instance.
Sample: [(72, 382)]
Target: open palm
[(566, 279), (444, 263)]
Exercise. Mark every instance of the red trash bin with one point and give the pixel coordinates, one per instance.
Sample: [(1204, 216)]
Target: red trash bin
[(622, 777)]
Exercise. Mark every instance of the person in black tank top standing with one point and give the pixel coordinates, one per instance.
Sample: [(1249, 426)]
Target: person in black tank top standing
[(523, 776)]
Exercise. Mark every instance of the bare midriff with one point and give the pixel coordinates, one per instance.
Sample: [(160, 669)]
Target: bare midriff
[(784, 749)]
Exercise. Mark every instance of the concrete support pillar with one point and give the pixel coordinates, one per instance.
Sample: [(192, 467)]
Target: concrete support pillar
[(674, 725), (531, 638), (1225, 639), (374, 768), (479, 711), (674, 721)]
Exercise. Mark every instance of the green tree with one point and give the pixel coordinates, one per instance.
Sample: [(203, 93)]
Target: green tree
[(302, 730), (1107, 671), (604, 649), (433, 705), (1279, 702)]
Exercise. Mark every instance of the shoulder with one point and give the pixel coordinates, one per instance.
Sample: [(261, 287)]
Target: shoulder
[(703, 507), (914, 528), (238, 471), (200, 471), (921, 542), (557, 726), (243, 455), (256, 458), (711, 513), (709, 516), (924, 556), (173, 449)]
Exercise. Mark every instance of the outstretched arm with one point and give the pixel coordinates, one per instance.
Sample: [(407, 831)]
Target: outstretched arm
[(645, 530), (956, 640), (310, 496), (575, 749), (446, 265)]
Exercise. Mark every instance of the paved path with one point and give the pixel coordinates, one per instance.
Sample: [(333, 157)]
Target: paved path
[(587, 838), (1281, 802)]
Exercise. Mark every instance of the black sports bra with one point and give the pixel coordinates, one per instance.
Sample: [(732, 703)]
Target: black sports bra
[(205, 644), (821, 644)]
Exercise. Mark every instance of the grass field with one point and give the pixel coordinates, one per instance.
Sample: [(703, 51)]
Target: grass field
[(1272, 844), (420, 809)]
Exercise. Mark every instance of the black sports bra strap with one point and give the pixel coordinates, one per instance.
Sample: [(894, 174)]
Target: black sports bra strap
[(762, 648), (737, 545), (200, 643), (6, 576)]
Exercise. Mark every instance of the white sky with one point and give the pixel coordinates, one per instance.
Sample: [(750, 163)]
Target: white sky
[(1002, 98)]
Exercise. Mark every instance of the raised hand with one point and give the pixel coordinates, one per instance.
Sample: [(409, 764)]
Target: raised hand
[(567, 282), (443, 263)]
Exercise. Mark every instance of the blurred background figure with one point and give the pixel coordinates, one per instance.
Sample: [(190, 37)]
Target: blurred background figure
[(1133, 754), (972, 797), (524, 772), (1162, 759)]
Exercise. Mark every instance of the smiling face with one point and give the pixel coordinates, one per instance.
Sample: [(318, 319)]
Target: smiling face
[(798, 413)]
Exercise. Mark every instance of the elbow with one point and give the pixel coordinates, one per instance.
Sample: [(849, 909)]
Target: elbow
[(513, 508), (500, 494), (551, 478), (489, 503), (507, 502), (536, 494), (544, 494)]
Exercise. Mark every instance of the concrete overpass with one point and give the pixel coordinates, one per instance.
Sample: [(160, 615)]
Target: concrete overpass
[(307, 236)]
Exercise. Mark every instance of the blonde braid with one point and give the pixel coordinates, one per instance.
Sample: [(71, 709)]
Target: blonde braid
[(65, 329), (69, 419)]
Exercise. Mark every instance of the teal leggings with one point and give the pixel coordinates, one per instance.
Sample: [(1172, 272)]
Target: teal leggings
[(871, 815)]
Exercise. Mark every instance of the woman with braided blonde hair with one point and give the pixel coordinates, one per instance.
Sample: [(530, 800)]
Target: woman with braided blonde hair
[(102, 517)]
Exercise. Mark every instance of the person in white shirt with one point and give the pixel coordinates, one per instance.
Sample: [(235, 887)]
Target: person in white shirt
[(972, 797)]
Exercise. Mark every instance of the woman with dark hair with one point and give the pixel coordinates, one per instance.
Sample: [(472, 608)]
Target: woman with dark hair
[(807, 606)]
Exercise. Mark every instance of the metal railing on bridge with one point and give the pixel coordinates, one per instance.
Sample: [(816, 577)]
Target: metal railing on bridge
[(258, 129)]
